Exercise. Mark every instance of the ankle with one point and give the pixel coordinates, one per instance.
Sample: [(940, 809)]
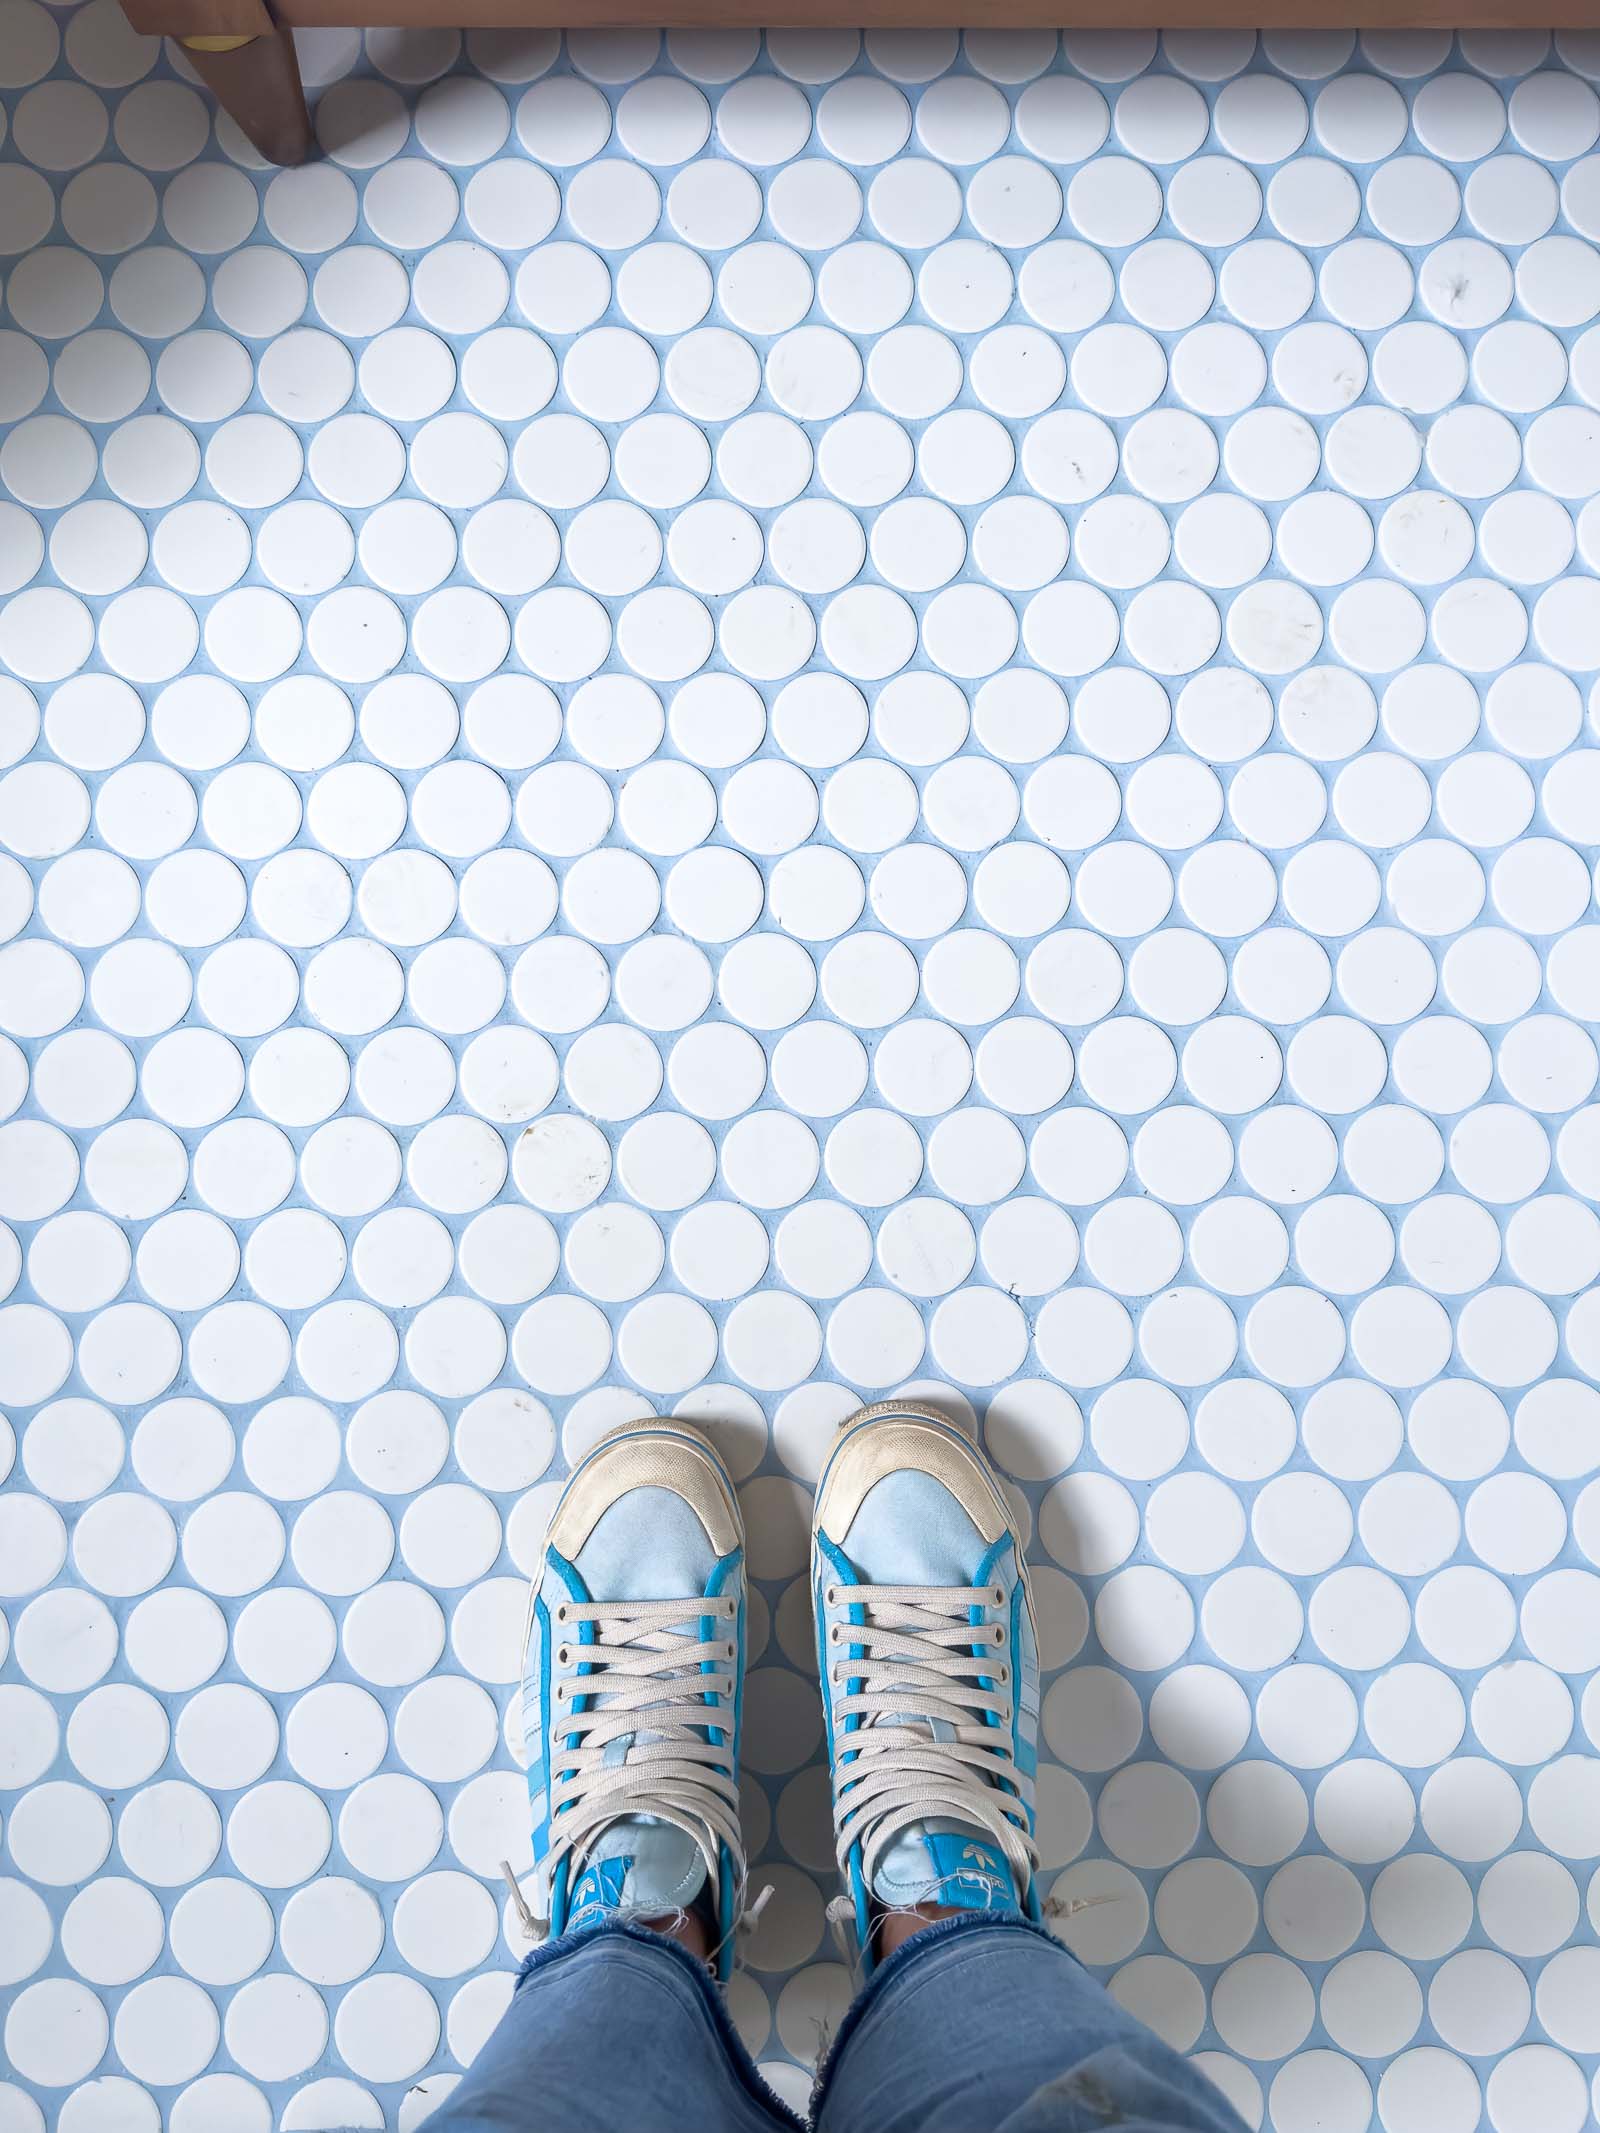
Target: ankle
[(687, 1928), (892, 1929)]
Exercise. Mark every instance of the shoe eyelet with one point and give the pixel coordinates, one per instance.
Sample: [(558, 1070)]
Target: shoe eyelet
[(998, 1598), (999, 1633), (563, 1655), (1003, 1675), (561, 1611), (835, 1634)]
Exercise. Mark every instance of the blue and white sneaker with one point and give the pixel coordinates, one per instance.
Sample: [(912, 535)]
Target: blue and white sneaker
[(928, 1658), (632, 1688)]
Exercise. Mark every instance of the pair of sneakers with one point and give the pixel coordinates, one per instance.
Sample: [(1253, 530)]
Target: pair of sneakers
[(927, 1657)]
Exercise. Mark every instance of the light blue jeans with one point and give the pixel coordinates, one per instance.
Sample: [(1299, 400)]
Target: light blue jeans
[(975, 2025)]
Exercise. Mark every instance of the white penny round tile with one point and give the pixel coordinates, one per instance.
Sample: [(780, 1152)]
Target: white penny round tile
[(899, 713)]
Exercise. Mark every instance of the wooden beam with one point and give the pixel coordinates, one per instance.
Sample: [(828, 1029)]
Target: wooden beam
[(183, 18), (945, 14), (198, 18), (256, 80)]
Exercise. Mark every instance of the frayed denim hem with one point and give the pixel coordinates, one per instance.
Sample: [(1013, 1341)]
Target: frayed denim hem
[(571, 1945), (905, 1958)]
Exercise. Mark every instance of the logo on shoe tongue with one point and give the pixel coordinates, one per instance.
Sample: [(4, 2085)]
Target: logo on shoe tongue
[(966, 1872), (979, 1870), (600, 1885)]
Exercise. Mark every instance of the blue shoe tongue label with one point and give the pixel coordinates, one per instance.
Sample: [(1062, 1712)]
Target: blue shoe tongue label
[(969, 1875), (598, 1891)]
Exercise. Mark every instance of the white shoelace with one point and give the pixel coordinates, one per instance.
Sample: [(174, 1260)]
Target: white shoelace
[(650, 1673), (917, 1676)]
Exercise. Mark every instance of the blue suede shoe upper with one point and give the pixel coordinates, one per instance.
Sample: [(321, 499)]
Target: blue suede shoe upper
[(910, 1530), (648, 1545)]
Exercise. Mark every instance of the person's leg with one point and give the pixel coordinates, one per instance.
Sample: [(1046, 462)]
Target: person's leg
[(987, 2025), (973, 2019), (630, 1713), (616, 2030)]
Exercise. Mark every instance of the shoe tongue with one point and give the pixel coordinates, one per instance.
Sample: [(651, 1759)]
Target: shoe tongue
[(638, 1867), (942, 1861)]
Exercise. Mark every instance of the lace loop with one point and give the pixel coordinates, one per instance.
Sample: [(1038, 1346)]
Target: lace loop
[(640, 1731), (925, 1723)]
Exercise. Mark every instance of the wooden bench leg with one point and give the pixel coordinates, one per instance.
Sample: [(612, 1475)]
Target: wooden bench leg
[(256, 80)]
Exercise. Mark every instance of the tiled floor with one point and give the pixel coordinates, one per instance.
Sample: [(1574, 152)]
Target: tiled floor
[(721, 726)]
